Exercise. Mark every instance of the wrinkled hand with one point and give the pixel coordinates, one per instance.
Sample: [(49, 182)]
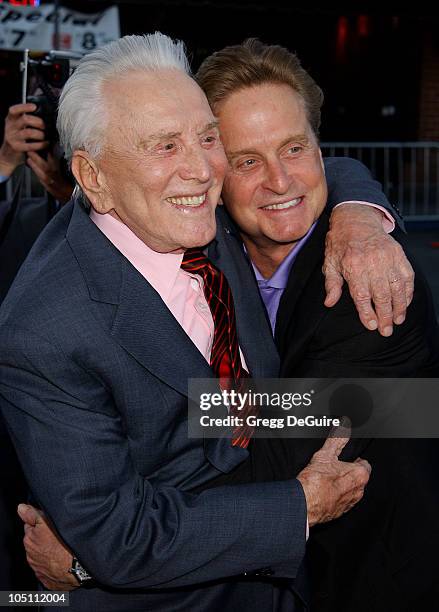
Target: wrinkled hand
[(373, 264), (50, 176), (49, 558), (332, 487), (20, 127)]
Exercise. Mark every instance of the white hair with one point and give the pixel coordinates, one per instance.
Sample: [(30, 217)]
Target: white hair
[(82, 116)]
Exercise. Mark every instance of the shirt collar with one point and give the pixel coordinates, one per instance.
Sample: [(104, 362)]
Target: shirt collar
[(279, 279), (159, 269)]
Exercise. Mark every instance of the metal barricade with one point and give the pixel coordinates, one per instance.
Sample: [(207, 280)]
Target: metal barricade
[(408, 171)]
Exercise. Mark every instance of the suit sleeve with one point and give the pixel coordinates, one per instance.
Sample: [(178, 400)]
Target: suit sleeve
[(342, 347), (126, 530), (348, 179)]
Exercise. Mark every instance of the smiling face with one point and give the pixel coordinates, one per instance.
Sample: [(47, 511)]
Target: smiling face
[(162, 165), (275, 186)]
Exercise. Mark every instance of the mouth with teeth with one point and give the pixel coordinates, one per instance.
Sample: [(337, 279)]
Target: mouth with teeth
[(284, 205), (191, 201)]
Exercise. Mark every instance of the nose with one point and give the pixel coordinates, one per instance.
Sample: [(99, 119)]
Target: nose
[(195, 165), (276, 177)]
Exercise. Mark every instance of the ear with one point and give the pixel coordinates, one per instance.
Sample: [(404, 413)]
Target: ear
[(91, 179)]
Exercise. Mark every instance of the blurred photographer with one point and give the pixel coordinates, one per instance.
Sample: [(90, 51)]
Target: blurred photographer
[(24, 138)]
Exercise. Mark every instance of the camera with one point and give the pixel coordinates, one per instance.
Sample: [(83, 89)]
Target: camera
[(44, 76)]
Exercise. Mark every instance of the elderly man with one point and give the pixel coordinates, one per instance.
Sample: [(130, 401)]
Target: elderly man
[(275, 190), (103, 328)]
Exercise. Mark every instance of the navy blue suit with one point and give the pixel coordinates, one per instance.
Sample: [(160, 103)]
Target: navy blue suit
[(93, 388), (98, 411)]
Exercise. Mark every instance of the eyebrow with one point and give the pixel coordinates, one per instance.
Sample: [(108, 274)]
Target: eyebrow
[(162, 135), (301, 138), (210, 126)]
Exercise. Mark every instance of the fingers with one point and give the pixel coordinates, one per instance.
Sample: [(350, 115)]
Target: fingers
[(19, 109), (35, 146), (382, 299), (398, 296), (337, 440), (333, 285), (37, 161), (29, 121), (30, 133), (20, 137), (25, 147), (20, 127), (40, 167), (29, 515), (393, 293), (380, 278), (404, 272), (356, 478), (352, 484), (362, 297), (409, 284), (365, 464)]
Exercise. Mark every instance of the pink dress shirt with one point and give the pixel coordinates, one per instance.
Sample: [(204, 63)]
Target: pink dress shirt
[(180, 291)]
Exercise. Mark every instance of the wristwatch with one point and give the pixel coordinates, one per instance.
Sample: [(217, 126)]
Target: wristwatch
[(81, 574)]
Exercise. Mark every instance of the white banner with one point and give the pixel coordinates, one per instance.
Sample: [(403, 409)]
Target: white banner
[(27, 27)]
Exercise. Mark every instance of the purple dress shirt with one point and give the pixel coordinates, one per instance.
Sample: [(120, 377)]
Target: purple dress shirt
[(271, 289)]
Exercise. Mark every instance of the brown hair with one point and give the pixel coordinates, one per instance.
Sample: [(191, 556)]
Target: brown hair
[(252, 63)]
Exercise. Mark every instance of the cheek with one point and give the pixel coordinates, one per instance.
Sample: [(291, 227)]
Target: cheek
[(219, 165), (238, 197)]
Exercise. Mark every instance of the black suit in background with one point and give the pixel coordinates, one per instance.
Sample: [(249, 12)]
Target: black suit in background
[(382, 555)]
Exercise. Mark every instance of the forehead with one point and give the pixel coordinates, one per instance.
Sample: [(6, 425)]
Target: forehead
[(164, 99), (265, 111)]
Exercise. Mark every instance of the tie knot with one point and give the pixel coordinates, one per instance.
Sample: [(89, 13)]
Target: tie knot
[(194, 260)]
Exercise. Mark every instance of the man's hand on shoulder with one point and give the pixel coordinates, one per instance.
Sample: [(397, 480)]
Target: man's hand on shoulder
[(47, 555), (380, 277)]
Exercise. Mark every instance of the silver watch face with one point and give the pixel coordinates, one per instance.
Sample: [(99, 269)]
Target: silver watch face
[(79, 572)]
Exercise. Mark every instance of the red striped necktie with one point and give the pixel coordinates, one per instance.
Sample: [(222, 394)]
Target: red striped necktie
[(225, 359)]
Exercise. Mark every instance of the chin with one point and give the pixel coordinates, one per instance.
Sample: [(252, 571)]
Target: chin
[(201, 236)]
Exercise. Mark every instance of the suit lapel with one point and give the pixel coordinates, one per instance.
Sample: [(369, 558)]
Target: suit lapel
[(291, 335), (142, 325), (148, 331), (254, 333)]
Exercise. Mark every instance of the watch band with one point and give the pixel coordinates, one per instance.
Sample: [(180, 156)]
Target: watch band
[(80, 573)]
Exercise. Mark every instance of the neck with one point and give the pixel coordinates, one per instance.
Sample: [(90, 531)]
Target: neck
[(267, 258)]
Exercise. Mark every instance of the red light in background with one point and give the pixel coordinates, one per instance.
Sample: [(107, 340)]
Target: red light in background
[(363, 26), (342, 36), (22, 2)]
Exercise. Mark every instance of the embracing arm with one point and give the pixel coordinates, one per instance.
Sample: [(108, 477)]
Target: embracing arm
[(124, 529), (360, 251)]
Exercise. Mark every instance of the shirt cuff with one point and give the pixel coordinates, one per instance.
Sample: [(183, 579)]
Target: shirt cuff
[(307, 530), (387, 219)]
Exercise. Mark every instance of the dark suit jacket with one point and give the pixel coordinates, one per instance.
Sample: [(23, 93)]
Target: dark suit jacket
[(93, 387), (382, 555)]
